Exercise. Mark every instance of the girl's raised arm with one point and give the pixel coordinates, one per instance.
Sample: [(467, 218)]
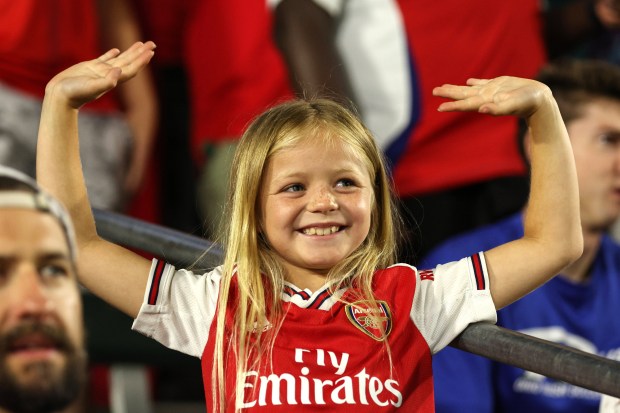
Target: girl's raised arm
[(115, 274), (553, 237)]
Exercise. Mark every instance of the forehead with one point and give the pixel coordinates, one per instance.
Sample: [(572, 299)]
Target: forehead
[(602, 110), (317, 153), (24, 231)]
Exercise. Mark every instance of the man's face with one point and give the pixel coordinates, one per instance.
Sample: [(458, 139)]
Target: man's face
[(595, 139), (42, 356)]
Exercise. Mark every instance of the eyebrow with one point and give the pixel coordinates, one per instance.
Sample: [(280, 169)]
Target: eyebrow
[(53, 256), (44, 256), (297, 173)]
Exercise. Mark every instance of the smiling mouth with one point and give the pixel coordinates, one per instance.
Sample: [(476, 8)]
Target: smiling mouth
[(321, 231)]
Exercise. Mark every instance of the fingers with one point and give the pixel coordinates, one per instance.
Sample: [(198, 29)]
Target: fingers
[(137, 52), (468, 104), (477, 82), (133, 59), (110, 54), (465, 98)]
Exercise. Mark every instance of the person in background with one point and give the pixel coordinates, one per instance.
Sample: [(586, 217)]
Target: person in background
[(40, 38), (42, 355), (173, 170), (578, 307), (234, 73)]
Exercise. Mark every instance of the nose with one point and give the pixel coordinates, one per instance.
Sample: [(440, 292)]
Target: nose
[(322, 200)]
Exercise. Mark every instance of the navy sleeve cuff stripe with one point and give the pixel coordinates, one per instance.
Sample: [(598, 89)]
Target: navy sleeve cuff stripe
[(478, 272), (156, 280)]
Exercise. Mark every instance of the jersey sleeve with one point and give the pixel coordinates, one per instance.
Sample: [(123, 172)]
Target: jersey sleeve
[(333, 7), (449, 298), (178, 307), (609, 404)]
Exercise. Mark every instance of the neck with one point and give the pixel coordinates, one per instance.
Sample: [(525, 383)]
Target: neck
[(310, 280), (579, 271)]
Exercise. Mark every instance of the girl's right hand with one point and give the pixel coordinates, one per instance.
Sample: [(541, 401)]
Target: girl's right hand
[(86, 81)]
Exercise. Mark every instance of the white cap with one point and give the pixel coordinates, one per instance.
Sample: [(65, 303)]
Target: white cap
[(38, 200)]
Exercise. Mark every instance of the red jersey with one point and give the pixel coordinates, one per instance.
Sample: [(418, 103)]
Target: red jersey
[(328, 355)]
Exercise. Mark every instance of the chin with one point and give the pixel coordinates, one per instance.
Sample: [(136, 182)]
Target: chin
[(40, 387)]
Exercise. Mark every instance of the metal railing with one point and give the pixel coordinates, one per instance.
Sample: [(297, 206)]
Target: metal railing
[(553, 360)]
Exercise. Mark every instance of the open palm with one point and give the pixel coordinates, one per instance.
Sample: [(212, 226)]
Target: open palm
[(86, 81), (503, 95)]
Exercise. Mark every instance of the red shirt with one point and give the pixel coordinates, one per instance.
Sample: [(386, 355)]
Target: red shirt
[(235, 70), (449, 42), (39, 39)]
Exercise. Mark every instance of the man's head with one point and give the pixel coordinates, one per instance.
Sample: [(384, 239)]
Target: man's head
[(588, 95), (42, 356)]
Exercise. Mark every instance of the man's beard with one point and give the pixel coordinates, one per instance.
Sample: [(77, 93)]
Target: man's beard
[(53, 389)]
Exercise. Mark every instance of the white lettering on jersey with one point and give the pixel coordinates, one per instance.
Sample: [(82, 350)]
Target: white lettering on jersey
[(302, 388)]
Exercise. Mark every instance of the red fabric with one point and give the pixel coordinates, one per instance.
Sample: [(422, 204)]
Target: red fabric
[(163, 21), (312, 344), (451, 41), (38, 39), (234, 69), (99, 385)]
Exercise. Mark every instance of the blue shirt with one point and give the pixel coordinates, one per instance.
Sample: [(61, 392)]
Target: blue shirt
[(584, 316)]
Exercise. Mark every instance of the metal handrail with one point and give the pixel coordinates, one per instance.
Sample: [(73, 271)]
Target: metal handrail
[(550, 359)]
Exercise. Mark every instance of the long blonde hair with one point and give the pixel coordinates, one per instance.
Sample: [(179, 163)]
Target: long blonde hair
[(257, 269)]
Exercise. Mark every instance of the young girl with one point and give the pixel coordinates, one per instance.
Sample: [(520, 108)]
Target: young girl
[(309, 310)]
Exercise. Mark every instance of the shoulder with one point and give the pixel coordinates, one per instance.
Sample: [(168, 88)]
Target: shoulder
[(396, 274)]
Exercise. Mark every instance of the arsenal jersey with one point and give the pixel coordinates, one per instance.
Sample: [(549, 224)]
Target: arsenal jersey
[(328, 352)]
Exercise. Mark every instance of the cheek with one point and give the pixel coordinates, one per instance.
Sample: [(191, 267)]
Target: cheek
[(363, 211), (69, 308)]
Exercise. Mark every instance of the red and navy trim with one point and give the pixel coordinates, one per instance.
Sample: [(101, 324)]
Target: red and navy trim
[(316, 303), (319, 300), (156, 281), (291, 292), (478, 272)]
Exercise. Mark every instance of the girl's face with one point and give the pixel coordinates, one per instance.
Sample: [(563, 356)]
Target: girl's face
[(316, 202)]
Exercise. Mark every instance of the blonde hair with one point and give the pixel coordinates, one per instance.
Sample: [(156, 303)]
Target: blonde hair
[(257, 269)]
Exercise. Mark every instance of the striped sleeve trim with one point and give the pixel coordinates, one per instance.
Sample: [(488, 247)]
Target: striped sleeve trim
[(156, 278), (480, 274)]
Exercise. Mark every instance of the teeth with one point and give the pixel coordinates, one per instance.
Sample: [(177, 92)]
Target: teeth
[(321, 231)]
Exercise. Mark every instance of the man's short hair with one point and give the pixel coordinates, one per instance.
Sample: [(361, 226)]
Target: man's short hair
[(575, 82)]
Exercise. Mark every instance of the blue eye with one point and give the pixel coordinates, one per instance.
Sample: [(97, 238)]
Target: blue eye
[(345, 182), (294, 188), (53, 271)]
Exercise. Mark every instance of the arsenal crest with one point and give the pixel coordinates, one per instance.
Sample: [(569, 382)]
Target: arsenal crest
[(374, 320)]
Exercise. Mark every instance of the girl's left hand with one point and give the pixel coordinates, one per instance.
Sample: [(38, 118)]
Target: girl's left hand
[(503, 95)]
